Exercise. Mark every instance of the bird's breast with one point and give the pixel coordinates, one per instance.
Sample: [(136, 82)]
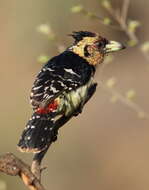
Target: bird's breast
[(75, 98)]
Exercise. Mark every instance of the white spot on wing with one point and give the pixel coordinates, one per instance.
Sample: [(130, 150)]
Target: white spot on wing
[(46, 87), (38, 94), (61, 83), (47, 96), (46, 81), (49, 69), (36, 88), (71, 72), (53, 89), (28, 126), (37, 116), (70, 80)]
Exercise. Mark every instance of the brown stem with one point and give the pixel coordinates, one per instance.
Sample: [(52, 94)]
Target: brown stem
[(36, 164), (11, 165), (121, 19), (125, 8), (100, 19), (126, 101)]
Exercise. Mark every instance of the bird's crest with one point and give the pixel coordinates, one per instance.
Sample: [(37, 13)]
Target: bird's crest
[(78, 36)]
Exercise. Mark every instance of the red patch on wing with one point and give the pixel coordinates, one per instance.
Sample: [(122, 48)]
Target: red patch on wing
[(51, 107)]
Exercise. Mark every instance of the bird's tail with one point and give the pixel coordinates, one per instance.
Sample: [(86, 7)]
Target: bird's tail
[(38, 134)]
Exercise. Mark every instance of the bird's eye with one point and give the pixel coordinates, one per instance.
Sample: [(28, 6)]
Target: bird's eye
[(102, 43), (86, 53)]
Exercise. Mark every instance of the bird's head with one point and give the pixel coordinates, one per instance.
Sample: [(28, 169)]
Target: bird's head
[(93, 47)]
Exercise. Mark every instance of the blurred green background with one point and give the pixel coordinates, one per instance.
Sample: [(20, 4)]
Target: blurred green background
[(106, 147)]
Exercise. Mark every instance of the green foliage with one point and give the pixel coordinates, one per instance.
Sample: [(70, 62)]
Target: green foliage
[(111, 82), (131, 43), (46, 30), (106, 4), (43, 59), (145, 47), (107, 21), (131, 94), (133, 25), (77, 9)]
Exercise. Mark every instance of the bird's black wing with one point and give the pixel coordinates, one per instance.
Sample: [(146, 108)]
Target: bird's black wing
[(63, 73)]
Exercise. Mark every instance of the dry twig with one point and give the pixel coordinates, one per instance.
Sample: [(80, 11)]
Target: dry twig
[(121, 18), (11, 165), (141, 113)]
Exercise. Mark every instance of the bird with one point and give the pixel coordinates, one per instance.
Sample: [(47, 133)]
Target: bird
[(62, 88)]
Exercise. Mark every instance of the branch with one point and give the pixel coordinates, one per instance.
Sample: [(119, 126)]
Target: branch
[(141, 113), (101, 20), (125, 8), (121, 19), (11, 165), (36, 164)]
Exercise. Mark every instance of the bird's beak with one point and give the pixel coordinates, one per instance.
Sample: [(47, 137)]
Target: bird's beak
[(113, 46)]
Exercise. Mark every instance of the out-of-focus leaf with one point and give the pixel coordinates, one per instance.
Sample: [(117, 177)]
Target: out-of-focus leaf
[(106, 4), (133, 25), (46, 30), (43, 58), (91, 15), (107, 21), (130, 94), (132, 43), (77, 9), (145, 47), (111, 82)]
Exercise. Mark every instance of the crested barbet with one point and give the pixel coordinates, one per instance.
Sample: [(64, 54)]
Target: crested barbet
[(62, 88)]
